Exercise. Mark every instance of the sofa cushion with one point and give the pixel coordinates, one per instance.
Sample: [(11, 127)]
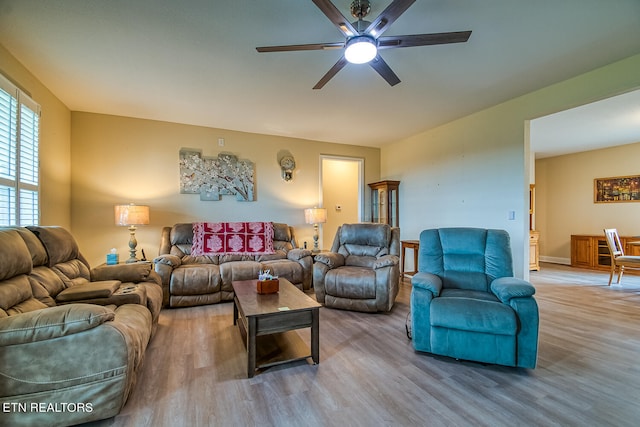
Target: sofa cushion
[(282, 232), (470, 314), (52, 323), (203, 259), (195, 279), (360, 244), (59, 244), (16, 296), (292, 271), (38, 253), (73, 272), (367, 261), (14, 254), (276, 255), (46, 281), (239, 270), (468, 293), (365, 235), (182, 234), (351, 282)]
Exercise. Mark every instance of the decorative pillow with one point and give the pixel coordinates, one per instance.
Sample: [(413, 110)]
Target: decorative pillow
[(232, 238)]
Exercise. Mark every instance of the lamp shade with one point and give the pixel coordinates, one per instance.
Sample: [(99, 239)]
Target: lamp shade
[(131, 214), (315, 215)]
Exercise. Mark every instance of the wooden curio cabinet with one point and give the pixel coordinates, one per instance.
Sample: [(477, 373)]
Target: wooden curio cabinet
[(384, 202)]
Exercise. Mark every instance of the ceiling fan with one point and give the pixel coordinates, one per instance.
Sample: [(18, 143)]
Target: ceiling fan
[(364, 38)]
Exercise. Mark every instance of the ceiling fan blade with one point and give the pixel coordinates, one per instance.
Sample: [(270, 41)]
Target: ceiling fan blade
[(384, 70), (336, 17), (387, 42), (388, 17), (295, 47), (332, 72)]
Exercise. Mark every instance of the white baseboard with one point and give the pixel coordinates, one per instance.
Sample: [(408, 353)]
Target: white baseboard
[(555, 260)]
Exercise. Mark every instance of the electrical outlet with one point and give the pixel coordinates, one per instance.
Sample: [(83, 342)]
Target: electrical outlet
[(220, 142)]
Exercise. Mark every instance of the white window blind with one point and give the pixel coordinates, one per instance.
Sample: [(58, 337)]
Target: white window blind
[(19, 163)]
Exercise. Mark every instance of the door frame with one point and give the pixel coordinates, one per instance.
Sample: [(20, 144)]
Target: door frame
[(360, 162)]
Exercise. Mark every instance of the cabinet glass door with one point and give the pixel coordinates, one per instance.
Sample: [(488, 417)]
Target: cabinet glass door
[(384, 202), (375, 206)]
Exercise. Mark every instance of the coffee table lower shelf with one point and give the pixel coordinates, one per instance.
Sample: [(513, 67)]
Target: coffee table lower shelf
[(278, 348), (268, 324)]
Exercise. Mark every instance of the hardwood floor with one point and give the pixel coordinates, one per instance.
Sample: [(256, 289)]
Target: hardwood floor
[(588, 372)]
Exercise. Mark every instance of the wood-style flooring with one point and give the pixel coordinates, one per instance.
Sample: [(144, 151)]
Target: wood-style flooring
[(588, 373)]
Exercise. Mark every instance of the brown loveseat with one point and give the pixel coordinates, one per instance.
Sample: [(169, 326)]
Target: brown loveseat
[(71, 339), (197, 280)]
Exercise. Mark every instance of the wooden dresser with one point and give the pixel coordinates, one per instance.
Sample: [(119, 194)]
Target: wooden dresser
[(592, 252)]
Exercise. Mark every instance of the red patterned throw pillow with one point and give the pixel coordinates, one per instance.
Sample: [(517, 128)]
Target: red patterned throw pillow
[(232, 238)]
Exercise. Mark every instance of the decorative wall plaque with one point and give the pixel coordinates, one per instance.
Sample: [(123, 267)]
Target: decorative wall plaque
[(212, 177)]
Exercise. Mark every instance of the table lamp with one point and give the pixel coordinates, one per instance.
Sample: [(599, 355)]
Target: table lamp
[(315, 216), (130, 216)]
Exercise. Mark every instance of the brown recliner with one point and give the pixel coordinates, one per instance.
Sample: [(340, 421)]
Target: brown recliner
[(361, 272)]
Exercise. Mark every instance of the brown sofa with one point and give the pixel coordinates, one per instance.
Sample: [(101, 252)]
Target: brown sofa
[(72, 339), (197, 280)]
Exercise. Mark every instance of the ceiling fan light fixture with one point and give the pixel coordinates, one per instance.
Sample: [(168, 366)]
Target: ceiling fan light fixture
[(360, 50)]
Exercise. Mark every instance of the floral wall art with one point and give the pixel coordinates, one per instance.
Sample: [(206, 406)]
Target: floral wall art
[(212, 177)]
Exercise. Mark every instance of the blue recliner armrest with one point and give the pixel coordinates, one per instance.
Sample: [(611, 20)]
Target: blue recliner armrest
[(427, 281), (506, 288), (518, 294)]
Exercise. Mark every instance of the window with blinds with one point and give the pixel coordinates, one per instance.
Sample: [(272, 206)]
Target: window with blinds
[(19, 164)]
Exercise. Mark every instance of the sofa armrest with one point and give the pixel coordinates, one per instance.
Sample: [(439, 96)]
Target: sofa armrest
[(427, 281), (172, 261), (86, 291), (297, 254), (330, 259), (386, 261), (53, 322), (506, 288), (135, 273)]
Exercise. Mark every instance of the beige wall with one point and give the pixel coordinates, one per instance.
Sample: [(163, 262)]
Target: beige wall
[(473, 171), (121, 160), (564, 198), (55, 143)]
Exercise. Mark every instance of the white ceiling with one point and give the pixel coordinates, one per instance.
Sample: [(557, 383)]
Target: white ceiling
[(609, 122), (194, 61)]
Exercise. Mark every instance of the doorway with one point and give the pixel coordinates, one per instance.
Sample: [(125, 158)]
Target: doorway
[(341, 193)]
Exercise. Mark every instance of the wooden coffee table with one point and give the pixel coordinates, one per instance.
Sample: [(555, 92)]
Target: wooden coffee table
[(268, 323)]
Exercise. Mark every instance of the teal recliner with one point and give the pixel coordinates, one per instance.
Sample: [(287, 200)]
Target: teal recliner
[(465, 302)]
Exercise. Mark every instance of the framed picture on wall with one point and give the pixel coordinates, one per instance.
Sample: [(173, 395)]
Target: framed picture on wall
[(616, 189)]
